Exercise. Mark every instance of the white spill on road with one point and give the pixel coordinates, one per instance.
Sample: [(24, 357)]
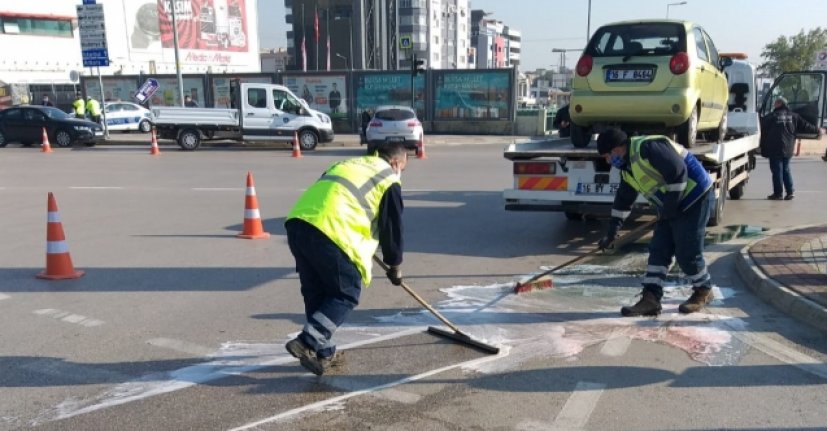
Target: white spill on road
[(580, 311)]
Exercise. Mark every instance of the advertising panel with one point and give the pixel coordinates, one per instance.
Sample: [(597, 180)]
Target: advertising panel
[(472, 95), (215, 25), (167, 94), (114, 89), (376, 89), (326, 93), (222, 95)]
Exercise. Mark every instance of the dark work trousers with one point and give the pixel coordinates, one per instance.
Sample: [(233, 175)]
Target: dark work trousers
[(683, 238), (781, 175), (330, 284)]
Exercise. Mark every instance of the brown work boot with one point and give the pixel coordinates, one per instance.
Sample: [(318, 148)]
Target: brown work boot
[(700, 297), (334, 361), (649, 305), (305, 355)]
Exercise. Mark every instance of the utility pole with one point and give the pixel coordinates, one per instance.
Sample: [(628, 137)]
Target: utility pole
[(177, 59)]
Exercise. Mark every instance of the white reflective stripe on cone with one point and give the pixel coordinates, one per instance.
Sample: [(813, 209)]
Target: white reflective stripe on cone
[(56, 247), (253, 213), (53, 217), (251, 191)]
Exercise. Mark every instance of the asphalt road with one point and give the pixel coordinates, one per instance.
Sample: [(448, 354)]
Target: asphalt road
[(179, 325)]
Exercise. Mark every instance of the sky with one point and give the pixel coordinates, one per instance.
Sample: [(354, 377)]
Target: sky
[(734, 25)]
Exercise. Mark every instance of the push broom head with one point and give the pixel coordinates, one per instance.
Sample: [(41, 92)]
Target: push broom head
[(542, 283)]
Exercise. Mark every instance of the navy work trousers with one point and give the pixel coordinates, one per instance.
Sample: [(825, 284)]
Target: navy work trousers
[(330, 284), (683, 238)]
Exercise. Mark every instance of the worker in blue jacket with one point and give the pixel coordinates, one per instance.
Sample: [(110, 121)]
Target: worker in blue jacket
[(679, 187)]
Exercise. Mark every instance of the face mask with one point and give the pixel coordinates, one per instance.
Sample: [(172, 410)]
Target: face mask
[(618, 161)]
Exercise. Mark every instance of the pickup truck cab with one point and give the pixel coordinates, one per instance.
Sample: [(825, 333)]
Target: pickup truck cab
[(260, 112)]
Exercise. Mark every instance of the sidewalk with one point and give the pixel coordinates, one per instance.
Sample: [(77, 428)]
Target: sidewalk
[(788, 269)]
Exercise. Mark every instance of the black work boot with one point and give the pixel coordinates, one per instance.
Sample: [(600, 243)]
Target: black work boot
[(700, 297), (649, 305), (305, 355)]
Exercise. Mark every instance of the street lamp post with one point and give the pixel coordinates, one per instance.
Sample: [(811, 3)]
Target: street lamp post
[(563, 52), (177, 59), (589, 23), (349, 36), (347, 63), (673, 4)]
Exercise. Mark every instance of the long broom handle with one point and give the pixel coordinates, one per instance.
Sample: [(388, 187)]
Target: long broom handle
[(419, 299), (594, 251)]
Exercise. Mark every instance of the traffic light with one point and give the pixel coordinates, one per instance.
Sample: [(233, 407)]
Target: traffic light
[(417, 66)]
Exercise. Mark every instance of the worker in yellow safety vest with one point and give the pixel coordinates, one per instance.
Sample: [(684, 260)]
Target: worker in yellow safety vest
[(333, 232), (79, 107), (93, 107)]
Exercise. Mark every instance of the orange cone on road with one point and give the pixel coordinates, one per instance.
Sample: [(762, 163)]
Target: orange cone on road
[(45, 147), (154, 151), (297, 151), (420, 148), (58, 261), (252, 218)]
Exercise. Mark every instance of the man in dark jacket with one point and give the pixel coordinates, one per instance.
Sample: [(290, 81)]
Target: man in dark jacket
[(778, 130), (333, 231), (562, 122)]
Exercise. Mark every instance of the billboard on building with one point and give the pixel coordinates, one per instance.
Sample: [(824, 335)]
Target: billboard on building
[(472, 95), (216, 34), (325, 93), (389, 88)]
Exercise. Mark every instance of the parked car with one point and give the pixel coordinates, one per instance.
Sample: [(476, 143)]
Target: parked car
[(655, 76), (394, 124), (25, 124), (128, 116)]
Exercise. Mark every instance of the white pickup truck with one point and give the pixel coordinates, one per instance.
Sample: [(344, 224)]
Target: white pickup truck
[(261, 112), (553, 175)]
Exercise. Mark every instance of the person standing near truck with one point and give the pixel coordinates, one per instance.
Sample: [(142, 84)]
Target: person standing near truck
[(333, 231), (679, 187), (778, 129), (93, 108)]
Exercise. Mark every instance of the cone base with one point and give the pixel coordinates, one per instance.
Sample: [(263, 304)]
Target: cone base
[(263, 235), (297, 155), (46, 150), (154, 152), (71, 275)]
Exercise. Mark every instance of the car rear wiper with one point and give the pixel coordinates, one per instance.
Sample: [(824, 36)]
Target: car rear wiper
[(628, 56)]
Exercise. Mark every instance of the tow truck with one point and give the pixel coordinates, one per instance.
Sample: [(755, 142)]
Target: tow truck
[(553, 175)]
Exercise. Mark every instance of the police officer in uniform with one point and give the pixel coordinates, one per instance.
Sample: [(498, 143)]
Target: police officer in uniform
[(679, 187)]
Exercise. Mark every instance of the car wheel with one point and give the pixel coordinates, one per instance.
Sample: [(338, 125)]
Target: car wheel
[(3, 141), (717, 136), (63, 139), (145, 126), (308, 140), (688, 131), (580, 136), (717, 215), (189, 139), (575, 216), (371, 148)]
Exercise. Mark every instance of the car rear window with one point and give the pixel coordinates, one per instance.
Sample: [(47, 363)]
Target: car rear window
[(638, 39), (394, 115)]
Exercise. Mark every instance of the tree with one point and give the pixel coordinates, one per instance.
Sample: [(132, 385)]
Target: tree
[(794, 53)]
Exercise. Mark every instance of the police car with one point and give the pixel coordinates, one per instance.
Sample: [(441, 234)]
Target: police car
[(127, 116)]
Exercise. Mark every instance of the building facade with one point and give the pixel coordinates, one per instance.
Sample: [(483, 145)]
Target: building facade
[(439, 30), (496, 45), (40, 40)]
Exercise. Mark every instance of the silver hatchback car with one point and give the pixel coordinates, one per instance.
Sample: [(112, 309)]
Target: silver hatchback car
[(394, 124)]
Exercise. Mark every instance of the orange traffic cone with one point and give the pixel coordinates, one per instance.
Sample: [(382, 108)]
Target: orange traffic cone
[(297, 151), (58, 261), (154, 151), (420, 148), (252, 218), (44, 145)]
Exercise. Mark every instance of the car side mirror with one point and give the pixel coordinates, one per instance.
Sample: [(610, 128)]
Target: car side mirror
[(724, 62)]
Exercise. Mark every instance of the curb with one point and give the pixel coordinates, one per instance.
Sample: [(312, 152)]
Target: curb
[(778, 295)]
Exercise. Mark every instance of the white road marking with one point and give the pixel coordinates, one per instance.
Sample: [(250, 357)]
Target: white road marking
[(4, 296), (391, 394), (578, 408), (68, 317), (616, 345), (324, 403), (181, 346), (217, 189), (95, 188)]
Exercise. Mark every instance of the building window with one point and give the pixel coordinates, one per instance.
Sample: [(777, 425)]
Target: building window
[(36, 26), (436, 40)]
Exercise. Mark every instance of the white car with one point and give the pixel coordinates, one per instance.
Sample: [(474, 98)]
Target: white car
[(127, 116), (394, 124)]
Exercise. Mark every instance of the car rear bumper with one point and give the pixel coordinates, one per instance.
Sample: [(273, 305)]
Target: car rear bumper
[(668, 108), (409, 142)]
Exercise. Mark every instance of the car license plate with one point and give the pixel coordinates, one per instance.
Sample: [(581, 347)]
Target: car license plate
[(629, 75), (396, 139), (596, 188)]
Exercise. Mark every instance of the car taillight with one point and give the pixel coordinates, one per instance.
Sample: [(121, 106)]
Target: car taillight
[(679, 63), (413, 123), (375, 124), (584, 65), (534, 168)]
